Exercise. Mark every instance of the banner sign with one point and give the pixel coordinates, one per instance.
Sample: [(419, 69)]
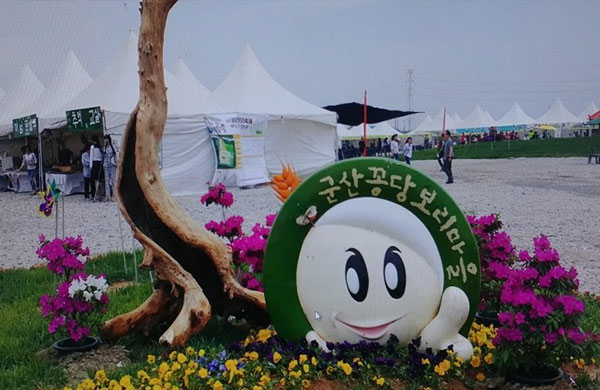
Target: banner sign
[(25, 126), (239, 145), (84, 119)]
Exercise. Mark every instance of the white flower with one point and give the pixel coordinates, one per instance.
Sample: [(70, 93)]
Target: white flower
[(97, 294), (87, 296), (76, 286)]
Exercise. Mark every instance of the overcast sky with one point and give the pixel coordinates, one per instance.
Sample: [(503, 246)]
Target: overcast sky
[(463, 53)]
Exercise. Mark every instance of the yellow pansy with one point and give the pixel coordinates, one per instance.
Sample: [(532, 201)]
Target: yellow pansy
[(380, 381), (425, 361), (176, 366), (217, 386), (114, 385), (276, 357), (201, 353), (313, 361), (181, 358), (100, 377), (489, 359), (87, 384), (306, 368), (292, 365), (302, 358), (255, 387), (203, 373), (162, 369), (151, 359), (265, 380), (475, 361), (190, 350), (480, 377), (173, 355), (253, 356), (305, 383), (264, 335)]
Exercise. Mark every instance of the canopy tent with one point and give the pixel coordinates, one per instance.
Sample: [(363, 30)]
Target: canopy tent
[(557, 113), (583, 116), (515, 116), (374, 131), (189, 81), (477, 121), (116, 91), (594, 116), (352, 114), (70, 79), (298, 132), (24, 90)]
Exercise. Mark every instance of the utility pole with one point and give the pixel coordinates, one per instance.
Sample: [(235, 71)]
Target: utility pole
[(410, 74)]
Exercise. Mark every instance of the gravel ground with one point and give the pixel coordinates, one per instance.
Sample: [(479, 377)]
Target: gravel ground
[(559, 197)]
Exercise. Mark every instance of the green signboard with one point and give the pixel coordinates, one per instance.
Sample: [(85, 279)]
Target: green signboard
[(25, 126), (84, 119)]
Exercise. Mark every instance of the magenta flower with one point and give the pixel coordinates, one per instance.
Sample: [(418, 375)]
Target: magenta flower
[(570, 304)]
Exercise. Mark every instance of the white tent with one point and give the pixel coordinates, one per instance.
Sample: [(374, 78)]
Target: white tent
[(189, 81), (70, 79), (188, 154), (25, 89), (297, 132), (557, 113), (590, 109), (515, 116), (478, 118), (424, 127), (377, 130)]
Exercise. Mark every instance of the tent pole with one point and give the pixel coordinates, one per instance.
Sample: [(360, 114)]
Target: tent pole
[(365, 126)]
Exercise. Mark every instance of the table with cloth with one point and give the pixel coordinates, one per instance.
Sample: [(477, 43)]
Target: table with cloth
[(68, 183)]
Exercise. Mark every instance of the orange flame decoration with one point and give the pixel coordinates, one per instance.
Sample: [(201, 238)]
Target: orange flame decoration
[(286, 183)]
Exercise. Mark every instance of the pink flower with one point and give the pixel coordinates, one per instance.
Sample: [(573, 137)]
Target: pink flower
[(577, 336), (524, 256), (271, 219), (570, 304), (551, 338)]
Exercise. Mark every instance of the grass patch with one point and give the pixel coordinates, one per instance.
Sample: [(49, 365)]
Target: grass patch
[(553, 147), (24, 330)]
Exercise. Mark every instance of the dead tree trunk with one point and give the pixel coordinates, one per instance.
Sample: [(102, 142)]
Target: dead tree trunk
[(193, 267)]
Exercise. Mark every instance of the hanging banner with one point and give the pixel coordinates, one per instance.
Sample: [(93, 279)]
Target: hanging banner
[(25, 126), (84, 119), (239, 148)]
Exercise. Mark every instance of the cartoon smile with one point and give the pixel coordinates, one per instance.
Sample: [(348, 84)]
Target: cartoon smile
[(370, 332)]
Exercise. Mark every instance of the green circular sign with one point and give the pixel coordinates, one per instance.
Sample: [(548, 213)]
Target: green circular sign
[(381, 178)]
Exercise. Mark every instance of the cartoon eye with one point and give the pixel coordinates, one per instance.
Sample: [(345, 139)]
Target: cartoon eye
[(394, 273), (357, 279)]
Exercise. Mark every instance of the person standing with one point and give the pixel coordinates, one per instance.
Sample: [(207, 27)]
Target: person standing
[(30, 163), (448, 156), (440, 154), (407, 150), (110, 166), (395, 147), (95, 164), (87, 171)]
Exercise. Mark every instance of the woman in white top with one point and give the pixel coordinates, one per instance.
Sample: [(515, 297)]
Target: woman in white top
[(110, 166), (395, 147), (30, 162), (95, 164), (407, 150)]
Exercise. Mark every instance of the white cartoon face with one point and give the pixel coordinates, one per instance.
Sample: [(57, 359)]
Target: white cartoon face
[(356, 283)]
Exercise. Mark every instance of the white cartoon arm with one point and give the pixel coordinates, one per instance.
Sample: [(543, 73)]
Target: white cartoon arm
[(314, 336), (443, 329)]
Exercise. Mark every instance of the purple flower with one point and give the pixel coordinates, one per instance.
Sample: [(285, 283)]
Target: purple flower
[(551, 338), (570, 304)]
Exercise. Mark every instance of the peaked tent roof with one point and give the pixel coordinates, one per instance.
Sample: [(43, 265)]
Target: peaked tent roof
[(116, 89), (587, 111), (439, 123), (478, 118), (248, 88), (70, 79), (188, 80), (23, 91), (557, 113), (424, 127), (515, 116)]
